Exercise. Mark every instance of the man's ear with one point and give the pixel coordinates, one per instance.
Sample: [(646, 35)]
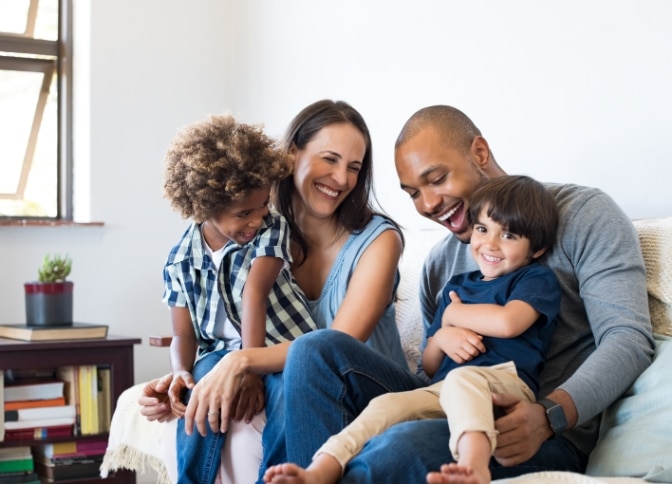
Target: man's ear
[(480, 150), (539, 253)]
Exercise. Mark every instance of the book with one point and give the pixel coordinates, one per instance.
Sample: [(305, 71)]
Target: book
[(52, 333), (60, 450), (39, 413), (19, 478), (47, 402), (88, 399), (70, 377), (14, 453), (43, 422), (36, 390), (104, 398), (38, 433), (69, 469), (17, 465)]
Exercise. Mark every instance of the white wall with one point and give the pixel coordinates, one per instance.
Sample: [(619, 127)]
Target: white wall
[(563, 90)]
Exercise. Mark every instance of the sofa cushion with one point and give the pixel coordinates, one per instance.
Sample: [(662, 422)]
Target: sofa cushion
[(636, 431), (655, 238)]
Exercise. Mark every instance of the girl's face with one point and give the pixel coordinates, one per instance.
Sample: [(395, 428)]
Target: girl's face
[(327, 167), (498, 251), (241, 220)]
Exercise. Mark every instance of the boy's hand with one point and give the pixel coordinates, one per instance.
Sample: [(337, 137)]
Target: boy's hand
[(154, 402), (459, 344), (182, 381), (250, 398)]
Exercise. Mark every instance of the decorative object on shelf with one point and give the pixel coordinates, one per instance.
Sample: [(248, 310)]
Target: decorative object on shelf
[(49, 299)]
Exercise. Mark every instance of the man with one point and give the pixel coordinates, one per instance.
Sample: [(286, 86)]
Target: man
[(603, 339)]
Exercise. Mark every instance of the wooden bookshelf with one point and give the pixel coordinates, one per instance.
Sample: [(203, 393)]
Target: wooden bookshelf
[(115, 351)]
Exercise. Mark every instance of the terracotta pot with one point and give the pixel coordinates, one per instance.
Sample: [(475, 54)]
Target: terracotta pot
[(48, 303)]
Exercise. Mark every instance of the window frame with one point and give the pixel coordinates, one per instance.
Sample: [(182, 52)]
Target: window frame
[(62, 49)]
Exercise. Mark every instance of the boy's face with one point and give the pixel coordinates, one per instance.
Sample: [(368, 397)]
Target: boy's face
[(241, 220), (497, 251)]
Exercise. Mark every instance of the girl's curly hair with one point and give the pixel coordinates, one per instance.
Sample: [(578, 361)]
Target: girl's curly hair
[(212, 163)]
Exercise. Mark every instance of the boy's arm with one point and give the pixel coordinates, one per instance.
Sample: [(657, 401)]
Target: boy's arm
[(507, 321), (260, 280), (183, 344)]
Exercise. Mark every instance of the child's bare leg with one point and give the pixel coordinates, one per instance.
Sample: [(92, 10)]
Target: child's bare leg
[(472, 466), (324, 469)]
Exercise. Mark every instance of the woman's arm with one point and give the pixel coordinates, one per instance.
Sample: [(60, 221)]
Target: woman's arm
[(371, 287)]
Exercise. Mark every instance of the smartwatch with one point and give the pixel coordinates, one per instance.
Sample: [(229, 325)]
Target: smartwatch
[(555, 415)]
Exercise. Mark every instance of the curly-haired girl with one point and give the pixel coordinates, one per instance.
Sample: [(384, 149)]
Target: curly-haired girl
[(219, 173)]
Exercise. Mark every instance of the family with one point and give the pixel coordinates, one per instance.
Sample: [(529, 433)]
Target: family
[(286, 355)]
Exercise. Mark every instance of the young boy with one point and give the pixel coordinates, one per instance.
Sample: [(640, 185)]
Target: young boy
[(490, 334), (219, 173)]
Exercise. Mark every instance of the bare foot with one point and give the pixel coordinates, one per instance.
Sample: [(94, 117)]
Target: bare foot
[(459, 474), (293, 474)]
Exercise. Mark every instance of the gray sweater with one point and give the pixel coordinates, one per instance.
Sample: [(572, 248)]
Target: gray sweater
[(603, 339)]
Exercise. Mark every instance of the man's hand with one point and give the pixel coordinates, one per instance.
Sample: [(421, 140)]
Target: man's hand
[(522, 429), (154, 402)]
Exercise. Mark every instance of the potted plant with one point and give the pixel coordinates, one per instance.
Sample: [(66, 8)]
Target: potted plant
[(49, 299)]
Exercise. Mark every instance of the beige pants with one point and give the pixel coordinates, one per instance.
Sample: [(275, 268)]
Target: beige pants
[(464, 396)]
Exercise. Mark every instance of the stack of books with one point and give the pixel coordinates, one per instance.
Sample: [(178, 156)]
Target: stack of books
[(35, 409), (65, 461), (17, 466)]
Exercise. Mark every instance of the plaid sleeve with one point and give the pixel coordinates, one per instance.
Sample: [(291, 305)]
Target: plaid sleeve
[(274, 239), (173, 289)]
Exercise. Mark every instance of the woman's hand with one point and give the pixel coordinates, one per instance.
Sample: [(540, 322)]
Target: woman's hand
[(154, 402), (212, 398), (182, 381)]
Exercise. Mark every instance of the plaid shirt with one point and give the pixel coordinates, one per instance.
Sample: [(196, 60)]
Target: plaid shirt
[(190, 279), (288, 314)]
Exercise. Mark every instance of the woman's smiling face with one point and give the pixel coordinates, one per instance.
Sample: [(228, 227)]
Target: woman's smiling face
[(327, 168)]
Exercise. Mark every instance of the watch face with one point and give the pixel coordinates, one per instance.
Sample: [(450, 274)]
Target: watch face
[(555, 414)]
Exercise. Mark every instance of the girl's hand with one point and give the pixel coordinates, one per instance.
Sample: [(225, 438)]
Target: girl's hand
[(154, 402)]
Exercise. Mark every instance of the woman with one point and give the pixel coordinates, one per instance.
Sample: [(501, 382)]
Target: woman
[(345, 260)]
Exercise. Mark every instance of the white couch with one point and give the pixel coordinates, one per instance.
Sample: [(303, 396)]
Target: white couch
[(635, 443)]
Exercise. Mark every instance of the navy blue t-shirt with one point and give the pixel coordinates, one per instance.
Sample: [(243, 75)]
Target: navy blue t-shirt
[(533, 284)]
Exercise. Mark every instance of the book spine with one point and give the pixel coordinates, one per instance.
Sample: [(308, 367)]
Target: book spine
[(40, 433)]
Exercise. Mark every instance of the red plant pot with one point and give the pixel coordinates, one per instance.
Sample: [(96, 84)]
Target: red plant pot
[(48, 303)]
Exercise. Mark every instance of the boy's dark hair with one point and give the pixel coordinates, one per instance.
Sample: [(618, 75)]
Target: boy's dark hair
[(521, 205), (214, 162)]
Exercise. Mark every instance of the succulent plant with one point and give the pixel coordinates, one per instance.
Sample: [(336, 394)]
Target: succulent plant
[(54, 268)]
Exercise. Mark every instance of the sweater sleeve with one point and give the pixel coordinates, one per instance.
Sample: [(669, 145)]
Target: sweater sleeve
[(607, 287)]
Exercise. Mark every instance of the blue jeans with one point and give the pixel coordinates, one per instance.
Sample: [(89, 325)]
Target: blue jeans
[(330, 377), (198, 457), (273, 436)]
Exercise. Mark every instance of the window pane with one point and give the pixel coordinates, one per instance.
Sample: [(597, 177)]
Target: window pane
[(21, 110), (29, 108), (14, 16)]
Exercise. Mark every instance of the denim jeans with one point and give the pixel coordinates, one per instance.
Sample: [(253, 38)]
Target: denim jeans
[(273, 436), (198, 457), (330, 377)]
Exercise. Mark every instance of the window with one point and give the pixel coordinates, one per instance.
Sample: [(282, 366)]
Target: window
[(35, 122)]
